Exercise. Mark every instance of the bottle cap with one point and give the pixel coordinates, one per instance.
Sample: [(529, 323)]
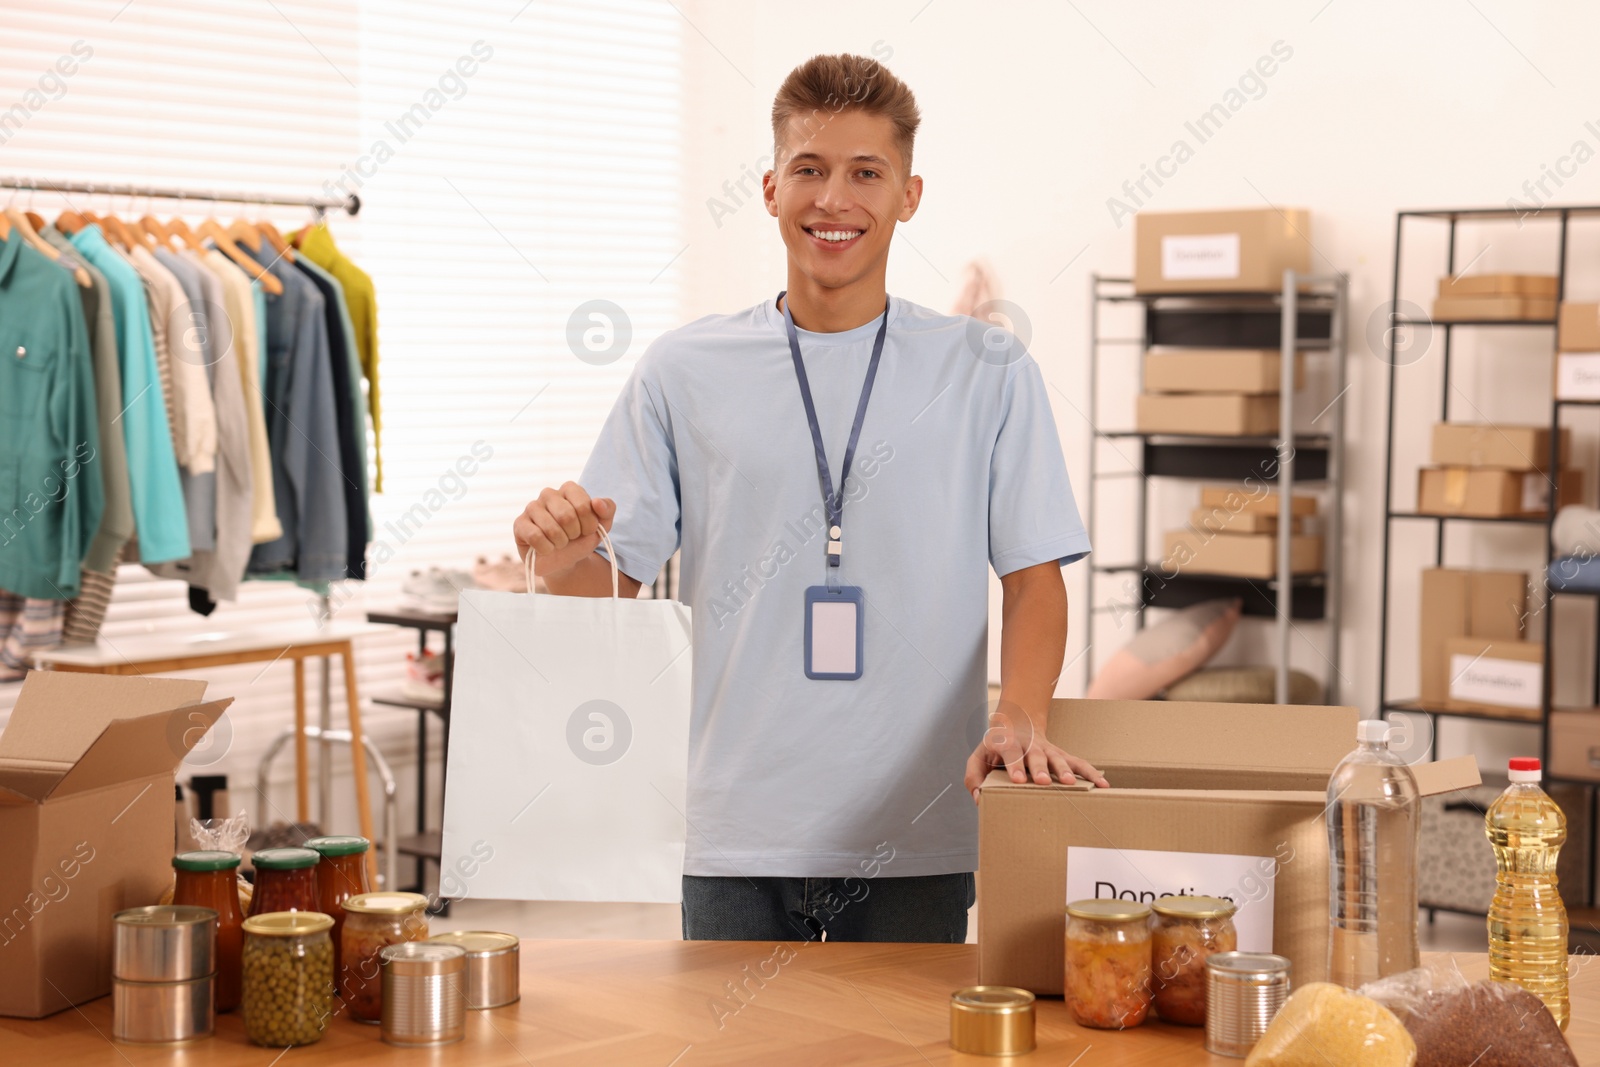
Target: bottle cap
[(1523, 769), (1372, 731)]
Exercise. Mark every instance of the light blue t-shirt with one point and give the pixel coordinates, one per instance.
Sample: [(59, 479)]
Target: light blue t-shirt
[(959, 467)]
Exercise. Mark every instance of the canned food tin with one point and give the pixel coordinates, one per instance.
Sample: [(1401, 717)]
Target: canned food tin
[(161, 1013), (1244, 990), (991, 1020), (492, 964), (423, 987), (163, 943)]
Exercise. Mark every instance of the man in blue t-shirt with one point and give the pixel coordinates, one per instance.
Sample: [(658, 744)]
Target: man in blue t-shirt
[(840, 623)]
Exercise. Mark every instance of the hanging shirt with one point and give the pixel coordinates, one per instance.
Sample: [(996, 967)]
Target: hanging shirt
[(157, 497), (116, 522), (302, 431), (51, 492), (959, 469), (316, 244), (190, 342)]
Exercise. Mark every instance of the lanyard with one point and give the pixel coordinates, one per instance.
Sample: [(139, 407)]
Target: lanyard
[(833, 502)]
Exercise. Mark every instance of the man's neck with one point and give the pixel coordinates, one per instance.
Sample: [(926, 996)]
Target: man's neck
[(822, 310)]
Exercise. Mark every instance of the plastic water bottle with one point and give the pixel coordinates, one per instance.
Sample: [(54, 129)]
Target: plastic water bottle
[(1527, 921), (1372, 812)]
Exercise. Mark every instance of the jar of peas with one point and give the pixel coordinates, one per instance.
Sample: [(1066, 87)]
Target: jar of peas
[(288, 977), (372, 922)]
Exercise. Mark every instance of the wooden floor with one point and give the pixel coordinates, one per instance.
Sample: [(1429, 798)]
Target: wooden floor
[(670, 1004)]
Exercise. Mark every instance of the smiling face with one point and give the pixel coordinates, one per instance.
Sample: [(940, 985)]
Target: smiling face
[(838, 189)]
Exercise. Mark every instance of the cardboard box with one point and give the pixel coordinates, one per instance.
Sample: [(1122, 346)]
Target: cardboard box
[(86, 791), (1502, 677), (1235, 790), (1578, 375), (1489, 605), (1238, 555), (1232, 498), (1219, 370), (1207, 414), (1221, 520), (1575, 744), (1219, 251), (1579, 328), (1536, 285), (1514, 448), (1487, 494), (1495, 308)]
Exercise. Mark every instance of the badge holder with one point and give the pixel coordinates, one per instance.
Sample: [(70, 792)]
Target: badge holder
[(834, 627)]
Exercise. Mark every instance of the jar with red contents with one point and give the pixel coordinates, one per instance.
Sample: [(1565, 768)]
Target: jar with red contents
[(286, 880), (373, 922), (341, 874), (208, 879)]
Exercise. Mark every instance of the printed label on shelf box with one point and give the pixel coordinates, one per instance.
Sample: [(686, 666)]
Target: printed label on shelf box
[(1535, 492), (1205, 255), (1145, 875), (1578, 376), (1507, 682)]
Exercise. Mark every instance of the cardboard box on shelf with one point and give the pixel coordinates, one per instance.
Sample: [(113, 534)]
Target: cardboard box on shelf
[(1221, 520), (1579, 328), (1207, 414), (1223, 799), (1490, 494), (1253, 500), (1575, 744), (1489, 605), (1515, 448), (1219, 251), (1493, 308), (1238, 555), (1500, 677), (1219, 370), (1536, 285), (86, 790)]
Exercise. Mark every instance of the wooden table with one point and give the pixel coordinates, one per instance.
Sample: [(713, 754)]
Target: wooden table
[(655, 1004), (166, 653)]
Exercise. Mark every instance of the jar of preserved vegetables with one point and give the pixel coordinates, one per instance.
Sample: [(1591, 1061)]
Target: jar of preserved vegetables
[(1107, 981), (1187, 931), (208, 879), (288, 977), (286, 880), (341, 874), (372, 922)]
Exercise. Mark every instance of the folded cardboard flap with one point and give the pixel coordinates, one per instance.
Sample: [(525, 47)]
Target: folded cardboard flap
[(129, 749), (59, 714)]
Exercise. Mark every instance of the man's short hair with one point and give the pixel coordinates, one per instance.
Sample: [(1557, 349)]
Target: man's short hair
[(823, 86)]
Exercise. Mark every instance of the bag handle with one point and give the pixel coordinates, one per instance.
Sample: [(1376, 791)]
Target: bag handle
[(527, 563)]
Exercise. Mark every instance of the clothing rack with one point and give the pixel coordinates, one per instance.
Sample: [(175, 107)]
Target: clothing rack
[(350, 205)]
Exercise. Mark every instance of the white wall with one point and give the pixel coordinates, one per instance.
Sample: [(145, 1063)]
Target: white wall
[(1034, 114)]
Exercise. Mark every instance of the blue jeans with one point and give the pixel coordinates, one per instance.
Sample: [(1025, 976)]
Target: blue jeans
[(924, 908)]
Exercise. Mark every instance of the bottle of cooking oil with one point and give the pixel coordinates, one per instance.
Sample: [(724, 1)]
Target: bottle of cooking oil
[(1527, 921)]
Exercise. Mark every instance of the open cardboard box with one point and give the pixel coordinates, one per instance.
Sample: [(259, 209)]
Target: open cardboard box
[(86, 774), (1224, 799)]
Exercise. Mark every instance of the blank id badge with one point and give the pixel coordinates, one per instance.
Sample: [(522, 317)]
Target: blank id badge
[(833, 632)]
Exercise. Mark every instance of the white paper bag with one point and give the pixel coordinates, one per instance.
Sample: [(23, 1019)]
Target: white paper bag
[(569, 748)]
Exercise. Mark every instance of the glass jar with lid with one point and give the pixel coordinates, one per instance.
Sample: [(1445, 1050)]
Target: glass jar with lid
[(286, 880), (288, 977), (1186, 932), (372, 922), (1107, 981), (341, 874), (209, 879)]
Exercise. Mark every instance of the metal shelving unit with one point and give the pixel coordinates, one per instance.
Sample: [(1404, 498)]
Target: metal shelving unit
[(1306, 315), (1451, 218)]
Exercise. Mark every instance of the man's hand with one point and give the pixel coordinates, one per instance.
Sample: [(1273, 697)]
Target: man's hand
[(562, 528), (1011, 741)]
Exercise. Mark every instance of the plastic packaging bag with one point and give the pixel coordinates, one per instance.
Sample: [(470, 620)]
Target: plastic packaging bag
[(220, 835), (1485, 1024), (1323, 1023)]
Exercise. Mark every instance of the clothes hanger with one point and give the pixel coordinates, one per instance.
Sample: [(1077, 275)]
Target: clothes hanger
[(115, 228), (71, 220), (275, 239), (20, 222), (245, 233), (36, 221), (213, 229), (179, 229)]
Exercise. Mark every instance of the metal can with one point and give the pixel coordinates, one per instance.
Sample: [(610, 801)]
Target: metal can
[(423, 1002), (493, 961), (162, 1013), (1244, 990), (164, 943), (991, 1020)]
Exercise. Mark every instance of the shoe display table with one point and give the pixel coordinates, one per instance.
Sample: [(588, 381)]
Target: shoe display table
[(707, 1004)]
